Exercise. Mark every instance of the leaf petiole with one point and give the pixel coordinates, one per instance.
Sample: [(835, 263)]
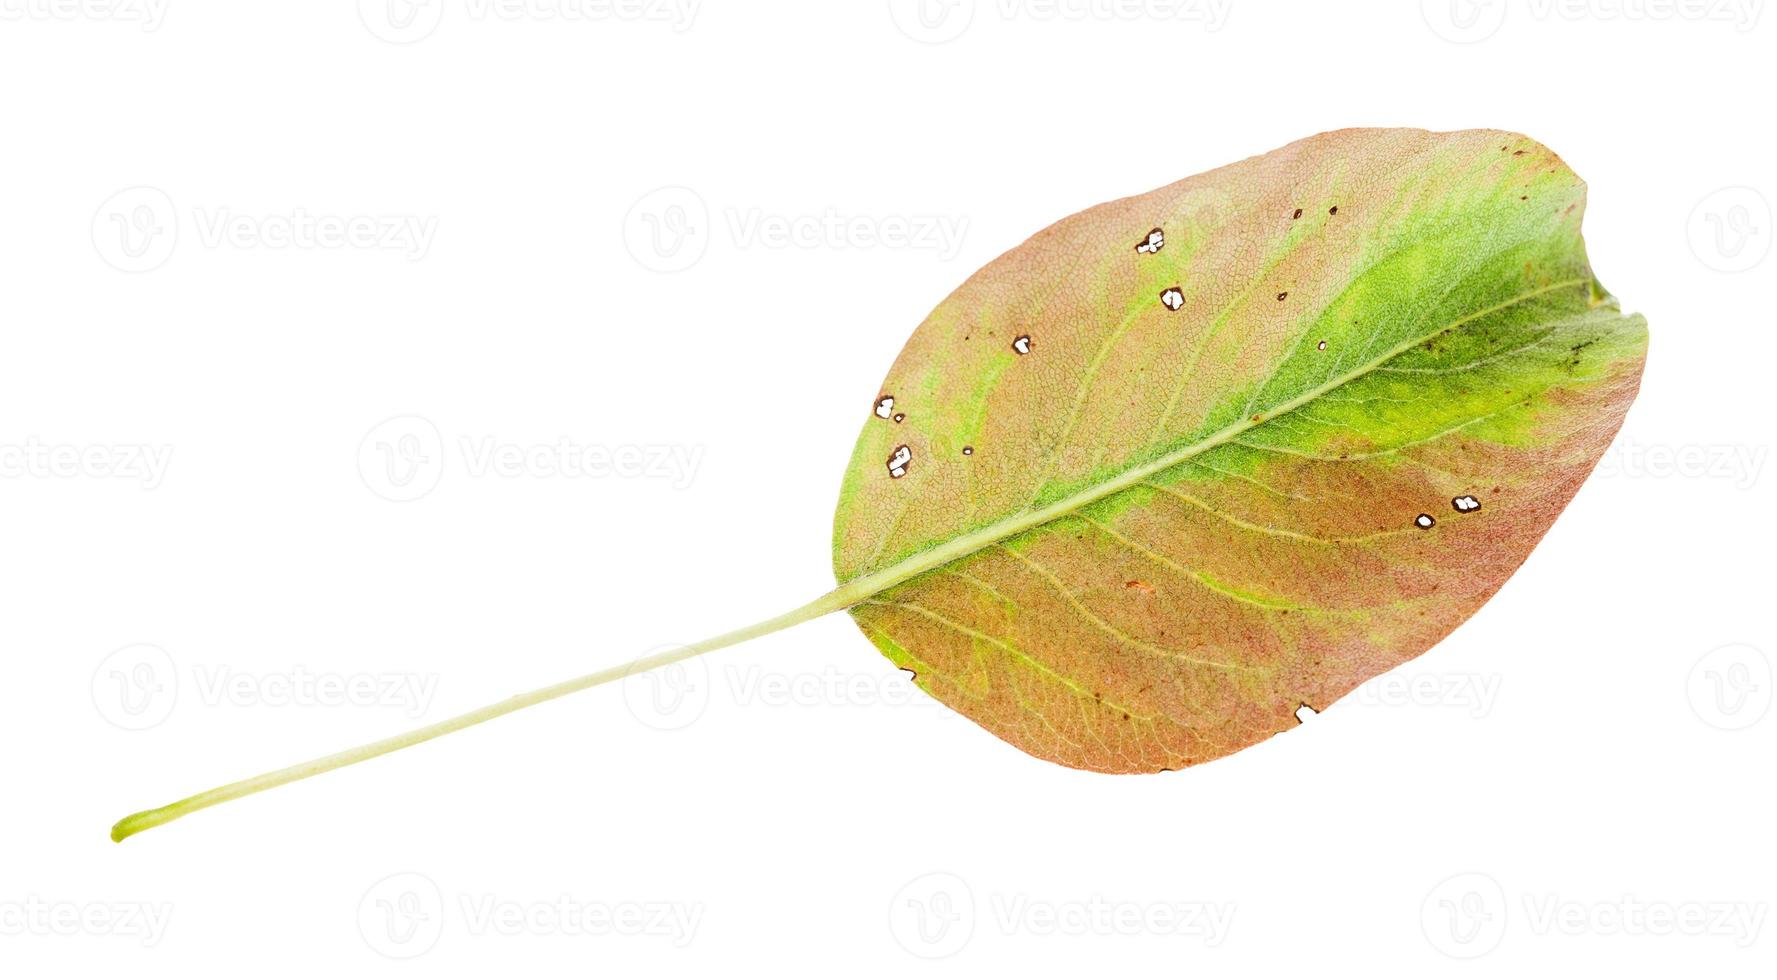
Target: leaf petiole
[(135, 823)]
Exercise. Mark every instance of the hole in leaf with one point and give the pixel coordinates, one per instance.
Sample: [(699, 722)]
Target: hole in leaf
[(899, 461)]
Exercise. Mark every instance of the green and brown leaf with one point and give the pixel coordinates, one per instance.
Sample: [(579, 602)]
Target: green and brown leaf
[(1137, 498)]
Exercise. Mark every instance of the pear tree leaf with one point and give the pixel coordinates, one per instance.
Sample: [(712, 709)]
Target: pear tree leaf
[(1183, 463), (1236, 445)]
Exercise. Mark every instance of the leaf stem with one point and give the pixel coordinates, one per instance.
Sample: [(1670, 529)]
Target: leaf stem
[(135, 823)]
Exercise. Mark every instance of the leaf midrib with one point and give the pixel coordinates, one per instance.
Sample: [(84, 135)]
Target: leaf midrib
[(875, 583)]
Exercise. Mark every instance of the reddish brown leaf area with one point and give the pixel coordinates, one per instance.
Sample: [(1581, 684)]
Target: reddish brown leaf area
[(1181, 524)]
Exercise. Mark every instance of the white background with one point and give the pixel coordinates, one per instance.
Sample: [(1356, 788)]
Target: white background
[(337, 220)]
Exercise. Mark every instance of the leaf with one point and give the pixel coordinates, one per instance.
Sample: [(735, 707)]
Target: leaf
[(1187, 461), (1184, 462)]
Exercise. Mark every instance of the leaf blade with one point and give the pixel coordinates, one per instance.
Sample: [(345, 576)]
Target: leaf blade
[(1399, 350)]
